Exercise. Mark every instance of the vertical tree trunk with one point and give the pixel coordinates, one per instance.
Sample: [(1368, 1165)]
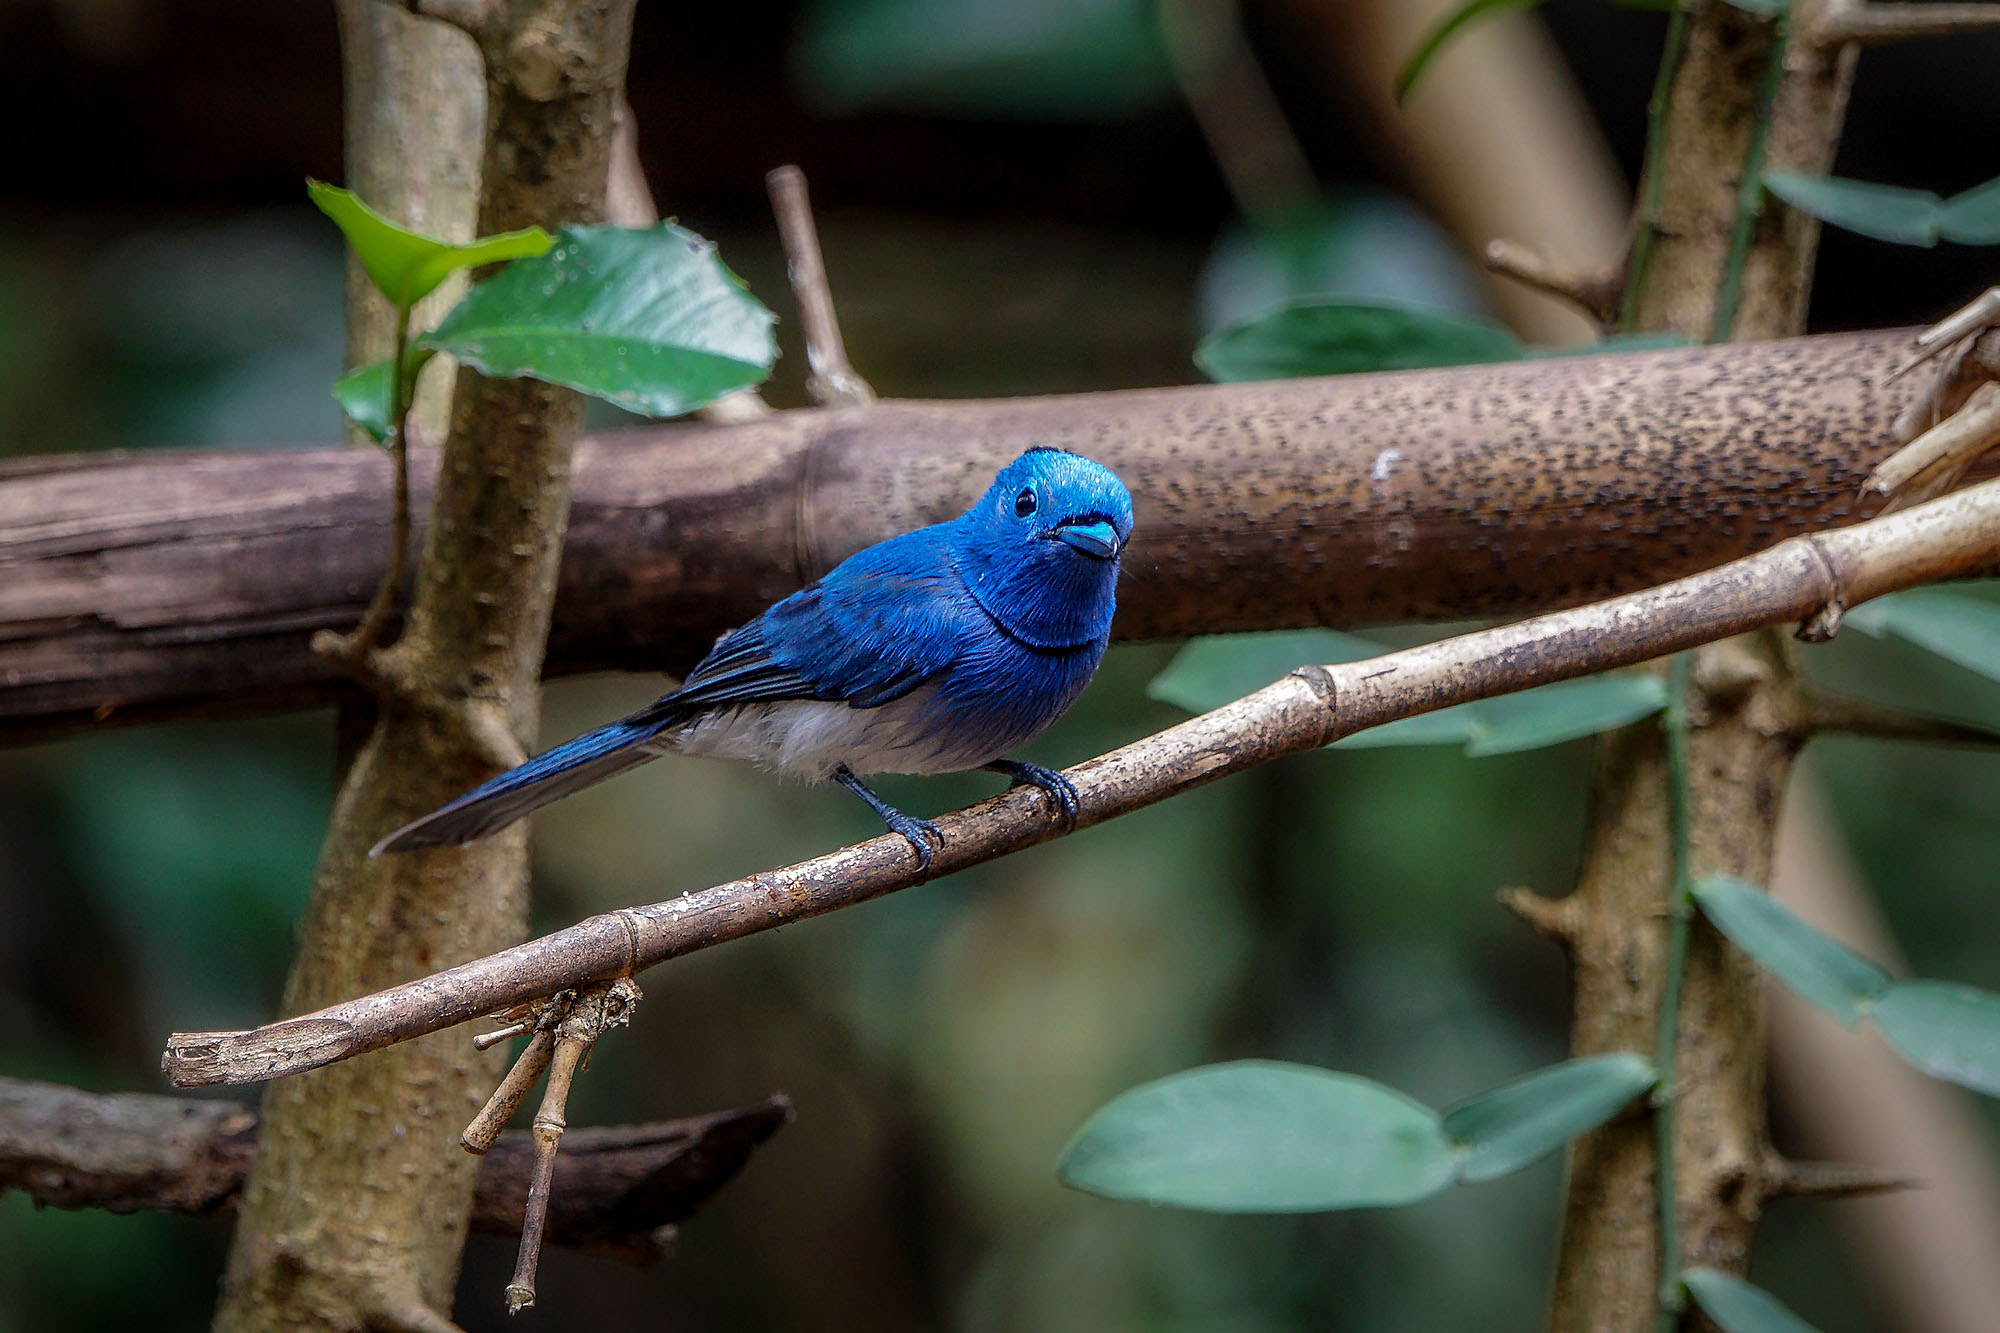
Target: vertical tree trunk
[(1744, 719), (355, 1212)]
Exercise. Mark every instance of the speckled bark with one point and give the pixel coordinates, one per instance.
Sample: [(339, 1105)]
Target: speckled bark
[(355, 1211), (1744, 731)]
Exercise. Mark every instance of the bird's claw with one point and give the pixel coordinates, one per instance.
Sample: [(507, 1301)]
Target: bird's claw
[(919, 833), (1059, 789)]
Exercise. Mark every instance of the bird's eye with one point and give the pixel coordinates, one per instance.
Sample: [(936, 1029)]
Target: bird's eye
[(1024, 504)]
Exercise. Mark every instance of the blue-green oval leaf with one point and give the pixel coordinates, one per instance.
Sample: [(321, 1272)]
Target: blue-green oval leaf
[(1958, 628), (1809, 964), (1565, 711), (1505, 1129), (1885, 212), (1949, 1031), (1221, 668), (406, 265), (1311, 337), (1738, 1307), (647, 318), (1973, 217), (1261, 1137)]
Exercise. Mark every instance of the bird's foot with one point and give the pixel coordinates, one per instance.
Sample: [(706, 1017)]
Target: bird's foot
[(919, 833), (1059, 789)]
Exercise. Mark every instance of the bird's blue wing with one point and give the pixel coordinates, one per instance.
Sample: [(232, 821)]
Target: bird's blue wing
[(878, 626)]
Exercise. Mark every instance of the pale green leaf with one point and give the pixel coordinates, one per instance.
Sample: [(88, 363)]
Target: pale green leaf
[(1310, 337), (406, 265), (1885, 212), (1565, 711), (1958, 628), (1809, 964), (1973, 217), (1505, 1129), (1259, 1136), (1949, 1031), (1738, 1307)]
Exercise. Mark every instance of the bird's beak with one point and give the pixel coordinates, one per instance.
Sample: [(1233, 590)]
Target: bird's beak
[(1097, 540)]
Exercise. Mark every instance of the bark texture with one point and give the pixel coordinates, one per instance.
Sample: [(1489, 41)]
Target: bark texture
[(355, 1211), (137, 587), (1745, 719)]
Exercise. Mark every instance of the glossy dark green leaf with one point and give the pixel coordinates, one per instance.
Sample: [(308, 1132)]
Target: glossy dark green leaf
[(1503, 1130), (1972, 218), (1885, 212), (1075, 60), (1738, 1307), (1808, 964), (1566, 711), (647, 318), (1221, 668), (1427, 50), (1339, 338), (1958, 628), (1949, 1031), (1259, 1136), (404, 264)]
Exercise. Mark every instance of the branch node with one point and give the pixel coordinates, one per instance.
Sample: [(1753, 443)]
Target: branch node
[(1783, 1178), (833, 382), (1595, 291)]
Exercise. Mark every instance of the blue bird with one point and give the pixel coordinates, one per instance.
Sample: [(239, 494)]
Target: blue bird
[(932, 652)]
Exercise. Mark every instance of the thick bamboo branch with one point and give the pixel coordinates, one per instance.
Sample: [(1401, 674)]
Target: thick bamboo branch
[(614, 1188), (137, 587), (1305, 710)]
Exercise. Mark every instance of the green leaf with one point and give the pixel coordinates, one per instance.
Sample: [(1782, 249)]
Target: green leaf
[(1738, 1307), (1220, 668), (1958, 628), (1809, 964), (647, 318), (404, 264), (1765, 9), (1339, 338), (1949, 1031), (1565, 711), (1074, 60), (1427, 50), (363, 393), (1885, 212), (1259, 1136), (1972, 218), (1503, 1130)]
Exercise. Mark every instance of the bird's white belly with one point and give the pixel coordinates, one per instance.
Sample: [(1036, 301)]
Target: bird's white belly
[(807, 739)]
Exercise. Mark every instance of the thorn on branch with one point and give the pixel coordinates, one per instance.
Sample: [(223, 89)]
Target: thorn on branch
[(566, 1026), (1858, 717), (1595, 291), (1557, 918), (833, 382), (1784, 1178)]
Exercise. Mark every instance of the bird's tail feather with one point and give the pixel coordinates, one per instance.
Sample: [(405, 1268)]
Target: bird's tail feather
[(490, 807)]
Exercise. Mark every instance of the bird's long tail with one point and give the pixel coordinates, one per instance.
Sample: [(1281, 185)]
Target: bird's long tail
[(491, 806)]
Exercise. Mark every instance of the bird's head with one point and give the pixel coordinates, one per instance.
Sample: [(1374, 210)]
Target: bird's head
[(1040, 550), (1049, 495)]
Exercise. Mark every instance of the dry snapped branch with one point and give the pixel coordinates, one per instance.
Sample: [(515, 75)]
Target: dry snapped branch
[(1808, 579)]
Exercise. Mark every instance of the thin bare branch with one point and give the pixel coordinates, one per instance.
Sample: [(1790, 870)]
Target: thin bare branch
[(1784, 1178), (1841, 715), (1594, 291), (1873, 24), (1311, 707), (833, 382)]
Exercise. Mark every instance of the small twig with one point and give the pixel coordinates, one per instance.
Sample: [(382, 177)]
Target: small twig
[(579, 1019), (1595, 291), (352, 652), (1938, 459), (1791, 581), (1837, 714), (1238, 114), (628, 199), (533, 1061), (1667, 1028), (833, 382), (1553, 917), (1870, 24)]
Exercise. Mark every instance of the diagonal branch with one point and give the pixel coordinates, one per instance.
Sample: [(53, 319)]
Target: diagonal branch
[(1309, 708)]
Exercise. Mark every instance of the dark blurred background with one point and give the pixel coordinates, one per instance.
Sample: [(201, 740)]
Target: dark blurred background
[(1014, 199)]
